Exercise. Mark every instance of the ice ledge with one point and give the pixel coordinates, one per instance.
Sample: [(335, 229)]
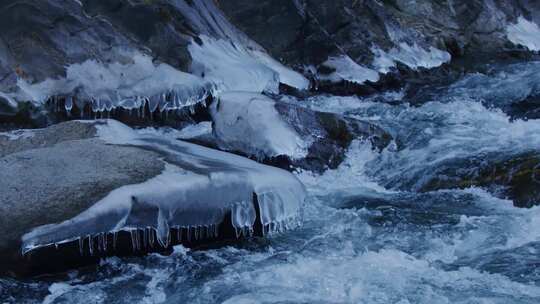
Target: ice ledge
[(197, 189), (525, 33)]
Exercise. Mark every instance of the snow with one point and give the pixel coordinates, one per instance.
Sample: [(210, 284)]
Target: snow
[(249, 123), (198, 187), (128, 85), (235, 67), (413, 56), (347, 69), (524, 32)]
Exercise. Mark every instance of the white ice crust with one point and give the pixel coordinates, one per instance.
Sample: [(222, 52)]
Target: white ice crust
[(230, 58), (525, 33), (235, 67), (348, 69), (250, 123), (198, 187), (128, 85), (413, 56)]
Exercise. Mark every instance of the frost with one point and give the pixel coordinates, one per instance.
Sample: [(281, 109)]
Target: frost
[(249, 123), (347, 69), (198, 188), (524, 33), (413, 56), (128, 85)]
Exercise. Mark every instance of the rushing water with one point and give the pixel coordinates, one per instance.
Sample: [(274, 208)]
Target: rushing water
[(368, 236)]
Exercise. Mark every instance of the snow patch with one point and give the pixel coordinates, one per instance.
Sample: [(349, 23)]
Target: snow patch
[(525, 33), (249, 123)]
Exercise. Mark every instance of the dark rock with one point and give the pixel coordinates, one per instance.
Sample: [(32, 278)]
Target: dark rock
[(515, 177)]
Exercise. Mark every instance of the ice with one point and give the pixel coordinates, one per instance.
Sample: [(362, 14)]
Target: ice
[(231, 67), (413, 56), (228, 57), (348, 69), (234, 67), (525, 33), (249, 123), (128, 85), (198, 187)]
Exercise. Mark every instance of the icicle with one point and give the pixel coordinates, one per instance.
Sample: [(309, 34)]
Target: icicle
[(179, 234), (115, 238), (133, 240), (91, 245), (151, 238), (81, 245), (68, 104)]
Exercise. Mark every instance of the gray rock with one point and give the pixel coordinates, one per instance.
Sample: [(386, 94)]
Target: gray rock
[(58, 173)]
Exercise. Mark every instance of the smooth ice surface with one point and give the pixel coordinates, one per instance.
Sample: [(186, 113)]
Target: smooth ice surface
[(125, 85), (413, 56), (525, 33), (249, 123), (197, 189), (347, 69)]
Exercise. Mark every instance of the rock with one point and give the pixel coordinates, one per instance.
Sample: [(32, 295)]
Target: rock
[(285, 134), (378, 36), (514, 177), (57, 173), (77, 186)]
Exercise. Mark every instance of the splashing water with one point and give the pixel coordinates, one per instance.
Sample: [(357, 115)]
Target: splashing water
[(368, 237)]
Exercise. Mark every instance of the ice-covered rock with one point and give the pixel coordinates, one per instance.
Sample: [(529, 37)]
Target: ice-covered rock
[(129, 54), (525, 33), (286, 134), (93, 180)]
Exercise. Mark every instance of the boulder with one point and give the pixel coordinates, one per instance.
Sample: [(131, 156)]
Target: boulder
[(516, 177), (286, 134), (83, 185)]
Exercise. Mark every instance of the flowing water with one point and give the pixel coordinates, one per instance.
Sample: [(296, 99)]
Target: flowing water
[(368, 236)]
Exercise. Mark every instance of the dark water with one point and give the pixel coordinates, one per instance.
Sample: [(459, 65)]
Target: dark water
[(363, 241)]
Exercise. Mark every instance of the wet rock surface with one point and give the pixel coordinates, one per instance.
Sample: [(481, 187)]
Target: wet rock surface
[(514, 177)]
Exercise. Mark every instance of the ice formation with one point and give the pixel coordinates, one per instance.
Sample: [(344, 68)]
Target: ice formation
[(524, 32), (198, 188), (413, 56), (226, 56), (249, 123), (346, 69), (127, 85), (234, 67)]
